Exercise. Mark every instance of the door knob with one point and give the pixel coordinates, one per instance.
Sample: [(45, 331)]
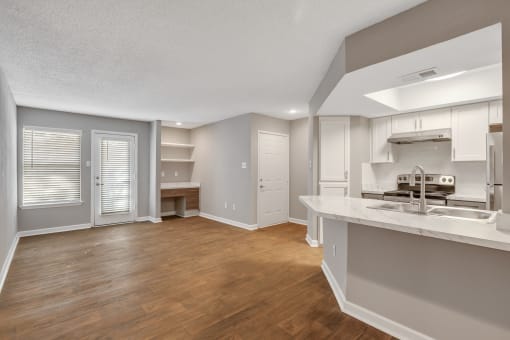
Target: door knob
[(261, 186)]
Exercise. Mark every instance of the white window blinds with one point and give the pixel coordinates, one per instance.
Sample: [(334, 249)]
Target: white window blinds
[(116, 176), (51, 166)]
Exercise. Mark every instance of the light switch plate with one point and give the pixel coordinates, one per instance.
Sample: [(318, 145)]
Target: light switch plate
[(243, 165), (162, 174), (87, 164)]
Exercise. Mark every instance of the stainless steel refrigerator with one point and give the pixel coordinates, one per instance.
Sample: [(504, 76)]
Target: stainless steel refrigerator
[(494, 170)]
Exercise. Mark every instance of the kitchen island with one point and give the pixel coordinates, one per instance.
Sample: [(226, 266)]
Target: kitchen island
[(416, 276)]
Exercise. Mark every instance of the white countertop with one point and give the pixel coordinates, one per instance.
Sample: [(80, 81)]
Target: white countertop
[(180, 185), (355, 210), (469, 198)]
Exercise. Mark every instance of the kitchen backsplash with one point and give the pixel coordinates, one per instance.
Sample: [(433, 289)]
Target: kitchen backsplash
[(435, 158)]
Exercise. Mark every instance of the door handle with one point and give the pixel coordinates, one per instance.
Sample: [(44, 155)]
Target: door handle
[(261, 186), (99, 184)]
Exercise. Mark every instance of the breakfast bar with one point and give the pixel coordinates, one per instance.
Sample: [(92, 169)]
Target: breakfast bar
[(416, 276)]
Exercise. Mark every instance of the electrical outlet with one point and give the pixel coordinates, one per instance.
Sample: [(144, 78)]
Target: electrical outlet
[(226, 205), (234, 206), (162, 174), (176, 173), (334, 249)]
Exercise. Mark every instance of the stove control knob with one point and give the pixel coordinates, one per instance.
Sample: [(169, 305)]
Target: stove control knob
[(443, 179), (450, 180)]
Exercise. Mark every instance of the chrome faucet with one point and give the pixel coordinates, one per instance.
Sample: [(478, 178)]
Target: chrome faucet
[(422, 202)]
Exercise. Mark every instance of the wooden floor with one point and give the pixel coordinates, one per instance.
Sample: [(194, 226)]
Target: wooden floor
[(180, 279)]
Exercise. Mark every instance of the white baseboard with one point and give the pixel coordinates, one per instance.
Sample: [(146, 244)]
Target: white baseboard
[(227, 221), (297, 221), (311, 243), (53, 230), (367, 316), (149, 219), (168, 213), (8, 260)]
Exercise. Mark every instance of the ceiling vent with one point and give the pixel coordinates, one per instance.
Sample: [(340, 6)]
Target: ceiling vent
[(419, 76)]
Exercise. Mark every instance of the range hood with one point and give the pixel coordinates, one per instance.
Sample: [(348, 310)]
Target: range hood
[(440, 135)]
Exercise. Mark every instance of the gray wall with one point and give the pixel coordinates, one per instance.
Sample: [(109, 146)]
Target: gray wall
[(359, 152), (8, 175), (298, 166), (262, 123), (444, 289), (29, 219), (220, 148), (155, 169)]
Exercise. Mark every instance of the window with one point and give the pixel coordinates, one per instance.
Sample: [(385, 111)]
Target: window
[(51, 166)]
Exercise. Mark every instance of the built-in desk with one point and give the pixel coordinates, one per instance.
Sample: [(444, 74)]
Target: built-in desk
[(186, 196)]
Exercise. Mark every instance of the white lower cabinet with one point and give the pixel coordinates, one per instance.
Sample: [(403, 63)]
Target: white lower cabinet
[(380, 149), (470, 124), (333, 188)]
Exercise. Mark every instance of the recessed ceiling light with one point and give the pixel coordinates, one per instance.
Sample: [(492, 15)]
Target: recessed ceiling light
[(292, 111), (447, 76), (178, 123)]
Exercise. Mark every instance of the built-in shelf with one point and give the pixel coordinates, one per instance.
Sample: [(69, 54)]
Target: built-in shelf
[(177, 160), (178, 145)]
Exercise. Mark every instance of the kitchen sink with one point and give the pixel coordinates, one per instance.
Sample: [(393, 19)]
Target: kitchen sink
[(458, 213), (464, 213), (400, 207)]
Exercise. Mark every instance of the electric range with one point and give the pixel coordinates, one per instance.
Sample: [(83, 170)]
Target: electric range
[(437, 189)]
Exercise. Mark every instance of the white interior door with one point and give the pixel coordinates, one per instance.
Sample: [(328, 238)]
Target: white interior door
[(273, 179), (114, 178)]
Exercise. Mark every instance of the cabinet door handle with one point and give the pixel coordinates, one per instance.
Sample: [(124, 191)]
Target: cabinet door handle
[(388, 155), (346, 174), (453, 153), (415, 124), (420, 124)]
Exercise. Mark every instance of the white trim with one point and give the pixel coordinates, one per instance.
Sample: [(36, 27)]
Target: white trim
[(297, 221), (312, 243), (168, 213), (53, 230), (50, 205), (367, 316), (259, 132), (229, 222), (8, 260), (146, 219)]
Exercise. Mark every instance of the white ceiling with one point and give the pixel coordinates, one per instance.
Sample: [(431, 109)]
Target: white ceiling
[(479, 53), (193, 61)]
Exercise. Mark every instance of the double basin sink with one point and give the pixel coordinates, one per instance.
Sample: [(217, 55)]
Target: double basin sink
[(484, 216)]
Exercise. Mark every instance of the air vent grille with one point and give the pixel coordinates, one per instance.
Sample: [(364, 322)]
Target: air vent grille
[(419, 76)]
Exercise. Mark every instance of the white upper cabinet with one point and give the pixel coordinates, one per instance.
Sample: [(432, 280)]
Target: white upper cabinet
[(407, 122), (435, 119), (334, 148), (380, 149), (496, 112), (469, 132), (421, 121)]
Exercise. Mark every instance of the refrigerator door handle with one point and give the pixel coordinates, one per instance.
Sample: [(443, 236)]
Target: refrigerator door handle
[(491, 165)]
